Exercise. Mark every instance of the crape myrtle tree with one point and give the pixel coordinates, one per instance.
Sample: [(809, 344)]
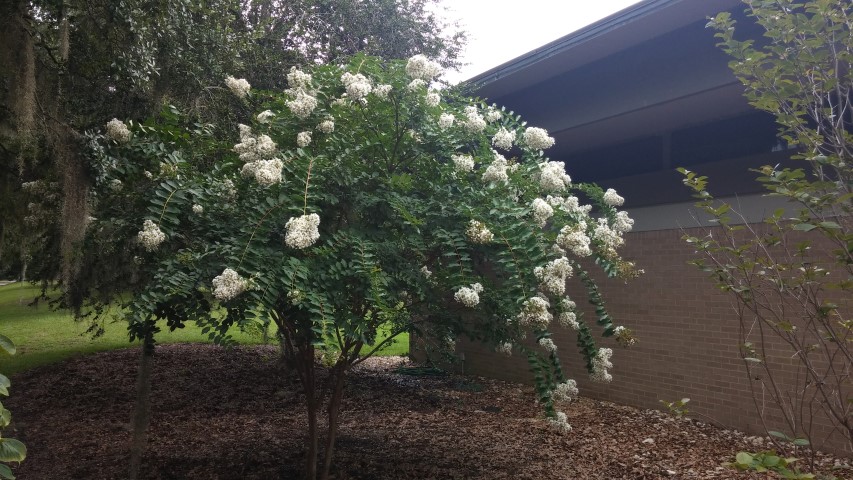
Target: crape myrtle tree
[(791, 276), (358, 198)]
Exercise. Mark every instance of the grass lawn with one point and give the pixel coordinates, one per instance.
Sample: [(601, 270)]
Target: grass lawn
[(44, 336)]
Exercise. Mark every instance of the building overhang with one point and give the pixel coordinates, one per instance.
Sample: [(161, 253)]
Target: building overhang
[(640, 72)]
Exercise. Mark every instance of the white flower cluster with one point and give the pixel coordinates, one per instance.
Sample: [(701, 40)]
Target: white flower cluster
[(265, 117), (382, 91), (198, 209), (257, 152), (341, 102), (553, 176), (433, 99), (477, 232), (534, 313), (358, 86), (560, 423), (504, 348), (463, 163), (537, 138), (612, 198), (497, 170), (303, 139), (302, 103), (473, 121), (469, 296), (541, 211), (296, 78), (253, 148), (570, 205), (568, 318), (624, 336), (493, 115), (426, 272), (420, 67), (610, 238), (416, 85), (326, 126), (302, 232), (503, 139), (575, 239), (170, 169), (295, 296), (228, 285), (445, 121), (553, 275), (227, 189), (600, 364), (623, 223), (118, 131), (265, 172), (548, 345), (238, 86), (150, 236), (33, 186), (565, 392)]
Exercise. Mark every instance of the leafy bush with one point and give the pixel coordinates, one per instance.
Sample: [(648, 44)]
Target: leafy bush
[(791, 275), (359, 199)]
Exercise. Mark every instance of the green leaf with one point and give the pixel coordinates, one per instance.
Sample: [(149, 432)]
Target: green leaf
[(12, 450), (743, 458), (4, 385), (7, 345), (6, 472), (5, 417), (830, 225), (800, 442), (804, 227)]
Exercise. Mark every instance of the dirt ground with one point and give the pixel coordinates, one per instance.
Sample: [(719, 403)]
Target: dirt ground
[(232, 414)]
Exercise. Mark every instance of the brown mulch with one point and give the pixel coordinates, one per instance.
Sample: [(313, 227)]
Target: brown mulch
[(233, 414)]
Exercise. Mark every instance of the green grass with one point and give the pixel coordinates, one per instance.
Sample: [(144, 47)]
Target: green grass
[(45, 336)]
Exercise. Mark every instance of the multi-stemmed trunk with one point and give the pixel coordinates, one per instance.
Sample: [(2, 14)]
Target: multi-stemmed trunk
[(298, 352)]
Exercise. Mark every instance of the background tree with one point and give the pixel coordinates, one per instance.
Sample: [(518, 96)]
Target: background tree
[(66, 65), (791, 276), (358, 199)]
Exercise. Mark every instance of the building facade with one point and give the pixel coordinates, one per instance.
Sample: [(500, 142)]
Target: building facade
[(628, 99)]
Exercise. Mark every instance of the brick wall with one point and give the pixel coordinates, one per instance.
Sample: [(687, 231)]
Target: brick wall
[(688, 342)]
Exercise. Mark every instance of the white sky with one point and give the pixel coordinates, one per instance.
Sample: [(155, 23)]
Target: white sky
[(500, 30)]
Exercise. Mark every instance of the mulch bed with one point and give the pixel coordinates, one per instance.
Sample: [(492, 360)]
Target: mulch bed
[(233, 414)]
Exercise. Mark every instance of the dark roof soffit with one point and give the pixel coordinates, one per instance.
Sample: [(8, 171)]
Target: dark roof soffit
[(630, 26)]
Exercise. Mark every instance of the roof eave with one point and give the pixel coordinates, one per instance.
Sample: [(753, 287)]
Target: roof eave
[(618, 31)]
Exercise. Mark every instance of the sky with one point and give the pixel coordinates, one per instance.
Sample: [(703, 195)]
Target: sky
[(500, 30)]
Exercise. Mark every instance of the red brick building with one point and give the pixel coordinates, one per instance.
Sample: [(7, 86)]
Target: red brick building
[(629, 99)]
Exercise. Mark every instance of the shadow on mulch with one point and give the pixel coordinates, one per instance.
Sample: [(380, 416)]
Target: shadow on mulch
[(232, 414)]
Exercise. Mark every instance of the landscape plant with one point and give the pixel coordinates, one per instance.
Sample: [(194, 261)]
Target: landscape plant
[(791, 276), (11, 450), (359, 198)]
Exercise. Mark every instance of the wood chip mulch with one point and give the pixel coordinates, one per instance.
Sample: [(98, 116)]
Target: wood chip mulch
[(234, 414)]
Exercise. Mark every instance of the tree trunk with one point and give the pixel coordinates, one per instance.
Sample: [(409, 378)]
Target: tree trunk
[(142, 408), (334, 413), (24, 267), (312, 401)]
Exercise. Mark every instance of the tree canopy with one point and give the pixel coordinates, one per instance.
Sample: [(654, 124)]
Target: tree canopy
[(67, 65)]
